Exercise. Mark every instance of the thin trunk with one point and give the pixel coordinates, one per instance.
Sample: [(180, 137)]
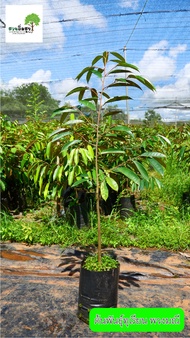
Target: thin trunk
[(98, 189), (97, 175)]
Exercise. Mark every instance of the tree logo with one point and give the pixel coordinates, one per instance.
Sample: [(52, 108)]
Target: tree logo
[(26, 26), (31, 20)]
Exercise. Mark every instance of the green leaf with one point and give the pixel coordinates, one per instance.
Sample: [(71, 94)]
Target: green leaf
[(76, 156), (118, 56), (69, 144), (124, 129), (112, 151), (142, 170), (44, 171), (81, 94), (164, 138), (49, 150), (90, 151), (124, 83), (85, 70), (77, 89), (59, 176), (71, 122), (94, 175), (56, 172), (54, 191), (36, 176), (105, 57), (128, 173), (46, 190), (105, 95), (158, 182), (64, 115), (83, 151), (55, 132), (70, 157), (113, 112), (13, 150), (2, 185), (71, 176), (88, 76), (88, 104), (64, 110), (117, 98), (127, 65), (182, 152), (96, 59), (61, 136), (96, 72), (153, 154), (121, 70), (144, 81), (79, 182), (112, 183), (104, 190), (156, 165)]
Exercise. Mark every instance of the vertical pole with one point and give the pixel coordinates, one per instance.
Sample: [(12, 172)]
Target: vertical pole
[(58, 198), (127, 104)]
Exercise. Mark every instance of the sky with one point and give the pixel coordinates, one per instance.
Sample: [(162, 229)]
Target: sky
[(156, 34)]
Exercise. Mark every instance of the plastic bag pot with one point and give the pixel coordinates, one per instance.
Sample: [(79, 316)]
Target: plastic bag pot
[(97, 290), (127, 206)]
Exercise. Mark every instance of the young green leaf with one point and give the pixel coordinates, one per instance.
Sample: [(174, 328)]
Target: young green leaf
[(112, 183), (117, 98), (71, 176), (88, 104), (55, 132), (90, 151), (124, 129), (84, 155), (144, 81), (96, 59), (60, 136), (104, 190), (72, 122), (69, 144), (128, 173), (118, 56), (142, 170), (85, 70), (56, 172), (76, 156), (165, 139), (46, 190), (76, 90), (156, 165), (153, 154), (112, 151)]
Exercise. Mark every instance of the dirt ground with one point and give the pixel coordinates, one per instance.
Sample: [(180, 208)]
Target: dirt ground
[(39, 289)]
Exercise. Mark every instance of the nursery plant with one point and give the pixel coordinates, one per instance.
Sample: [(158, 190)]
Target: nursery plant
[(123, 159), (96, 154)]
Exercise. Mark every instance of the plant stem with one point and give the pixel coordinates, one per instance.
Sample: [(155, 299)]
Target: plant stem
[(98, 188), (97, 172)]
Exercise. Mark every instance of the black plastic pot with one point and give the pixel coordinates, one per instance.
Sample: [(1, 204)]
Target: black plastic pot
[(127, 206), (76, 207), (97, 290)]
